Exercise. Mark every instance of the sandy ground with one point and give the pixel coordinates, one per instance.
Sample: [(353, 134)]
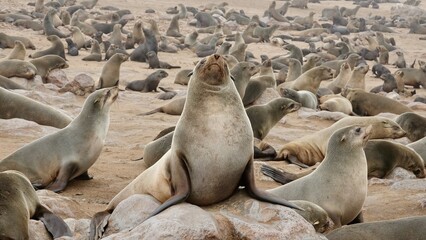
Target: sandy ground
[(129, 133)]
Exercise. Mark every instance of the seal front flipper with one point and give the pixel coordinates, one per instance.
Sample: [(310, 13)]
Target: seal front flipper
[(54, 224), (180, 184), (84, 176), (98, 224), (250, 185), (64, 175), (295, 161)]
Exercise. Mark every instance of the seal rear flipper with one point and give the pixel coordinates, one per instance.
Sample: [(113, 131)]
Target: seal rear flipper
[(295, 161), (98, 224), (64, 175), (265, 155), (250, 185), (180, 184), (54, 224), (150, 112), (84, 176), (277, 175)]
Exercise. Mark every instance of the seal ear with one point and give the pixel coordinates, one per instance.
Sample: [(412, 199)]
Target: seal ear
[(343, 138), (232, 78), (190, 74)]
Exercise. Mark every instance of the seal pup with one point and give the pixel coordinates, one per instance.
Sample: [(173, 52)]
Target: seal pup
[(72, 47), (370, 104), (395, 229), (53, 160), (194, 176), (306, 98), (400, 61), (17, 68), (173, 30), (378, 69), (47, 63), (337, 104), (328, 186), (166, 94), (174, 107), (18, 51), (17, 106), (413, 124), (57, 48), (95, 52), (264, 117), (110, 75), (18, 203), (149, 84), (154, 62)]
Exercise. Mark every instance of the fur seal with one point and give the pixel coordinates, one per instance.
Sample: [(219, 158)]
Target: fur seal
[(327, 186), (64, 155), (72, 47), (18, 51), (370, 104), (414, 77), (351, 60), (47, 63), (182, 77), (110, 75), (18, 203), (167, 94), (173, 30), (154, 62), (310, 80), (149, 84), (264, 117), (137, 34), (400, 61), (57, 48), (150, 44), (336, 103), (311, 62), (311, 149), (17, 68), (413, 124), (78, 37), (7, 41), (383, 156), (342, 78), (17, 106), (383, 55), (420, 147), (49, 28), (378, 69), (294, 70), (306, 98), (395, 229), (7, 83), (357, 79), (174, 107), (95, 52), (165, 46), (241, 73), (188, 164), (389, 84)]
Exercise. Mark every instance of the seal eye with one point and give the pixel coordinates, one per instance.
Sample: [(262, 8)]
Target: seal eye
[(202, 61), (358, 129)]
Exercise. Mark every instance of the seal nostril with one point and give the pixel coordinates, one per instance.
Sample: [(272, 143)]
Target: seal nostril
[(216, 56)]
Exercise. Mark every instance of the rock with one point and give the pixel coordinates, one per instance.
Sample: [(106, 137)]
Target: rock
[(80, 229), (393, 95), (57, 77), (150, 10), (24, 128), (37, 231), (380, 181), (182, 221), (238, 217), (400, 174), (125, 217), (81, 85), (62, 206)]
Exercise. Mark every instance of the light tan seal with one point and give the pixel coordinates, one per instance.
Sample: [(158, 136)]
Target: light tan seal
[(357, 79), (339, 184), (336, 104), (17, 68), (187, 172), (17, 106), (310, 80), (311, 149), (18, 51), (18, 203), (342, 78), (110, 75), (175, 107), (395, 229), (7, 41), (52, 161), (57, 48)]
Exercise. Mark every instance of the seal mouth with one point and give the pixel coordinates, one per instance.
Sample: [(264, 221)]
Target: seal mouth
[(419, 173)]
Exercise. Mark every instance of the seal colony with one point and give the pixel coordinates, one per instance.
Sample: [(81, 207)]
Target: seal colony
[(211, 149)]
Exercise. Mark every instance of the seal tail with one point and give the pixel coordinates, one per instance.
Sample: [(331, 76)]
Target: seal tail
[(150, 112), (98, 224), (277, 175)]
